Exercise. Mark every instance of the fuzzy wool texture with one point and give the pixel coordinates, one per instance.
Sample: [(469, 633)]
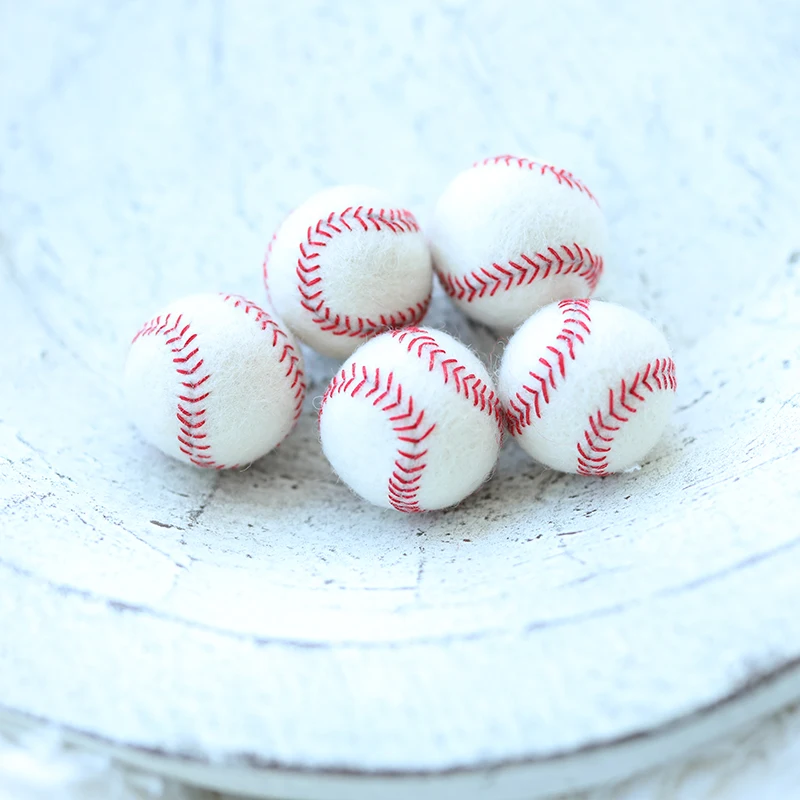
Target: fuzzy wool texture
[(401, 384), (352, 274), (493, 215), (581, 351), (245, 371), (271, 619)]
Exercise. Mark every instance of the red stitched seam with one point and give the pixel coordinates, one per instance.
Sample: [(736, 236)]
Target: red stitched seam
[(420, 342), (191, 418), (193, 386), (289, 356), (623, 402), (560, 260), (309, 270), (563, 177), (408, 423), (533, 395)]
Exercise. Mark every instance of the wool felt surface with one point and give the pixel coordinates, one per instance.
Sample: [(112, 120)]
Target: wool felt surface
[(267, 629), (587, 386), (214, 380), (512, 234), (412, 421), (347, 264)]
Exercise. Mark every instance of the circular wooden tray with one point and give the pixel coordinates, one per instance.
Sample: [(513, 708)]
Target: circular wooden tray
[(264, 631)]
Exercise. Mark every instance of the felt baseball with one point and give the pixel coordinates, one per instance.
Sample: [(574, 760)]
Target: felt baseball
[(412, 421), (346, 265), (587, 386), (214, 381), (513, 234)]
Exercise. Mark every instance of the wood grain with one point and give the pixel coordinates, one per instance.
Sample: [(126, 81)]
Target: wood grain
[(269, 621)]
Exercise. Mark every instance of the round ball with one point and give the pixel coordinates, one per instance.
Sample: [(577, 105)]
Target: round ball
[(214, 381), (587, 386), (511, 235), (412, 421), (346, 265)]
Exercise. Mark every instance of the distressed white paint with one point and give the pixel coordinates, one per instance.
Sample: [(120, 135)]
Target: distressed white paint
[(269, 617)]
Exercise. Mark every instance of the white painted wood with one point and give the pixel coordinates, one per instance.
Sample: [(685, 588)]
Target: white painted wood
[(553, 630)]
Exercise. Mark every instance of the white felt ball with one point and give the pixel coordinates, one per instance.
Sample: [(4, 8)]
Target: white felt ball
[(214, 380), (412, 421), (346, 265), (587, 386), (512, 234)]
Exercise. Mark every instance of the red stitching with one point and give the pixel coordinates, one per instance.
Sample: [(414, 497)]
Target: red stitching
[(266, 261), (560, 260), (595, 445), (408, 423), (564, 259), (192, 420), (309, 274), (421, 342), (530, 399), (280, 339), (563, 177)]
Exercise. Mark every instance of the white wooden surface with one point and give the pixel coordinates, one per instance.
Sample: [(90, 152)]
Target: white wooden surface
[(552, 631), (760, 761)]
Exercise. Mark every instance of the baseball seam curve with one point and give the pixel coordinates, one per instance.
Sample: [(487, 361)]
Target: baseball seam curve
[(563, 177), (488, 281), (310, 277), (408, 424), (192, 438), (528, 400), (408, 421), (623, 402)]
